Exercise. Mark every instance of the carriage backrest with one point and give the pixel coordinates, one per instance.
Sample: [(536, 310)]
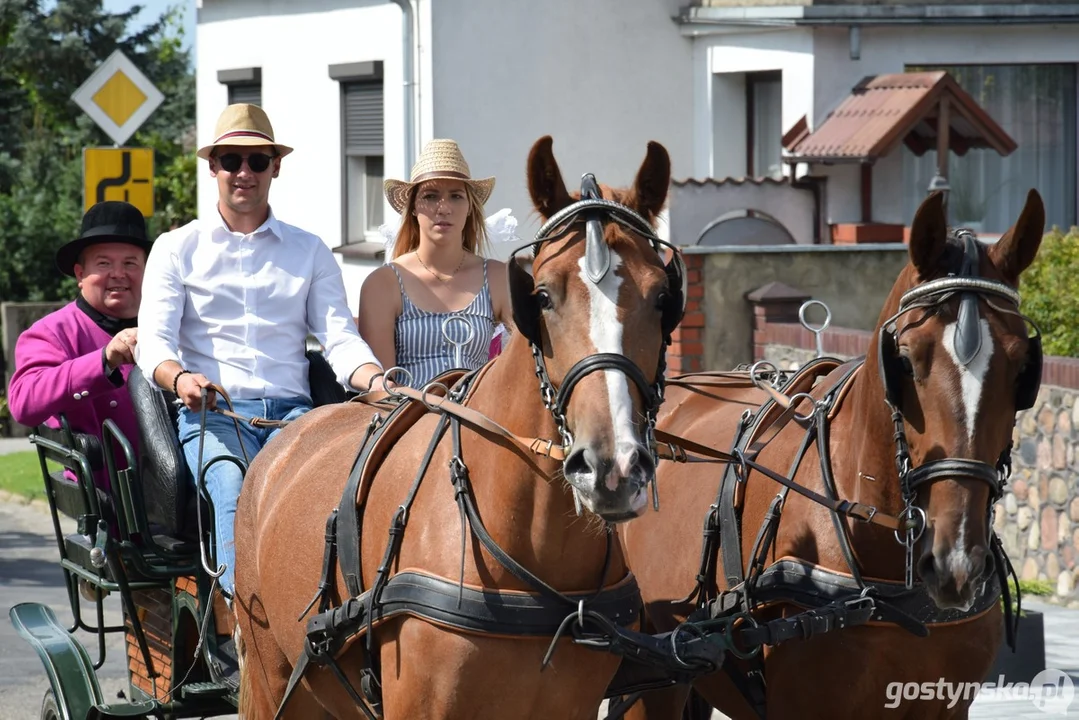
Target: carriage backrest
[(167, 491)]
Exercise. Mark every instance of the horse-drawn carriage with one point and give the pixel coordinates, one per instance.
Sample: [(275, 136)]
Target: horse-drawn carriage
[(144, 541), (497, 594)]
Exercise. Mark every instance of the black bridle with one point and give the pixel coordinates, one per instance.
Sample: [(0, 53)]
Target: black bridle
[(594, 210), (970, 288)]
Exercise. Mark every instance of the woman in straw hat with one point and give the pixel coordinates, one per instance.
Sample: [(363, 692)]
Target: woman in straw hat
[(436, 304)]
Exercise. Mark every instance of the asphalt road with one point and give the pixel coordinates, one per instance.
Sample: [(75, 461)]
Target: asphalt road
[(30, 571)]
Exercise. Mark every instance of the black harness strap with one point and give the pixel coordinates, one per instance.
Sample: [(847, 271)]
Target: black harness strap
[(348, 518)]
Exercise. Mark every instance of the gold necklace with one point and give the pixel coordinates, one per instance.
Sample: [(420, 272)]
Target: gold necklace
[(436, 275)]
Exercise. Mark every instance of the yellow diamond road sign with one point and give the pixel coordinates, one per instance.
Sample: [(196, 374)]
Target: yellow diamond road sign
[(119, 174), (118, 97)]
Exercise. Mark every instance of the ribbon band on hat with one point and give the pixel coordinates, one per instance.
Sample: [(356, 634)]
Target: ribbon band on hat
[(243, 124)]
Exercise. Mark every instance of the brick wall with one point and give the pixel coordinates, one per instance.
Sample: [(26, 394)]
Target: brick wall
[(686, 353)]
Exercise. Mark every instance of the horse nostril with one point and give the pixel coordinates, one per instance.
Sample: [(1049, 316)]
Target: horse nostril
[(579, 462), (979, 561), (990, 565), (927, 567)]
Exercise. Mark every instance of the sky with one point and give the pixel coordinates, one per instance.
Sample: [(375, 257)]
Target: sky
[(152, 9)]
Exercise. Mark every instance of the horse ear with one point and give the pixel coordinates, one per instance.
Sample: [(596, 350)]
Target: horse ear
[(649, 191), (928, 235), (1015, 250), (545, 183)]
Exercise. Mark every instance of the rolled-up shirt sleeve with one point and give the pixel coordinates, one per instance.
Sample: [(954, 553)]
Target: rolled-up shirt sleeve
[(162, 307), (330, 321)]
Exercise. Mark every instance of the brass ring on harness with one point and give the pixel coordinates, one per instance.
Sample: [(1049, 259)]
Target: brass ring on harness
[(427, 388)]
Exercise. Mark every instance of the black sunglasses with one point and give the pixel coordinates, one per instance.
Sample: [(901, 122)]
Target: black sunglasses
[(258, 162)]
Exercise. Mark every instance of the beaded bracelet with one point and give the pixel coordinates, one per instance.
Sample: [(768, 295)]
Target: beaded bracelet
[(176, 380)]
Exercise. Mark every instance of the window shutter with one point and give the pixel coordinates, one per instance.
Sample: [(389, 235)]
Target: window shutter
[(363, 118), (245, 93)]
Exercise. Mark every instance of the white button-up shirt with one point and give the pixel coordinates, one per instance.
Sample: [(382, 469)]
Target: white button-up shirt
[(237, 308)]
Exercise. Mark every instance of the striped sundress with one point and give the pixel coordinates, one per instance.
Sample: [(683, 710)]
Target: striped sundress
[(422, 346)]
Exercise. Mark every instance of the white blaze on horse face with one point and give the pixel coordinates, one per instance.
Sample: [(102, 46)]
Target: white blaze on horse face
[(971, 376), (605, 331)]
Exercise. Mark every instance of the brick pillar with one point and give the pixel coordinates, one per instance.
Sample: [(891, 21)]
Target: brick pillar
[(773, 303), (686, 353)]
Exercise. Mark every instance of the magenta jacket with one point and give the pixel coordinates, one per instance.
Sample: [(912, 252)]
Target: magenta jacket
[(59, 368)]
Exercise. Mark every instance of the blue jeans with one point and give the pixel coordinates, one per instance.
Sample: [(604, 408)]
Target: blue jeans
[(224, 478)]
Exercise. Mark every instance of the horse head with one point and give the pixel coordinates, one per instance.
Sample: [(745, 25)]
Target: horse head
[(598, 311), (956, 365)]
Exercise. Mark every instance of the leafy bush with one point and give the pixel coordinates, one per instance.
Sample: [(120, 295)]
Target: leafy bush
[(1048, 291)]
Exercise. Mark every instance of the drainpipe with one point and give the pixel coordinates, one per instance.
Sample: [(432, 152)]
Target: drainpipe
[(408, 52)]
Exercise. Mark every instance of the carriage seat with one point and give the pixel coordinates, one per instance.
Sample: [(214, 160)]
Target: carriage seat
[(168, 495), (67, 494)]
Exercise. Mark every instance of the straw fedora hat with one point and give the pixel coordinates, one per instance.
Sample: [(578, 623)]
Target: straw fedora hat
[(440, 160), (243, 124)]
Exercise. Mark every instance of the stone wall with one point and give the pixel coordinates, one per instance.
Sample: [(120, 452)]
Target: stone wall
[(1038, 518), (14, 319)]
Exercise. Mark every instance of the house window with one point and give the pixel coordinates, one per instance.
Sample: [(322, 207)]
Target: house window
[(764, 124), (1036, 106), (244, 85), (362, 124)]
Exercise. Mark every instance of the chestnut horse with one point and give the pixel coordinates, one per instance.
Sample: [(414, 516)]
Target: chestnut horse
[(916, 448), (453, 551)]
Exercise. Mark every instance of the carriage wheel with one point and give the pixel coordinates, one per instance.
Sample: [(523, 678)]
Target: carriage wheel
[(50, 710)]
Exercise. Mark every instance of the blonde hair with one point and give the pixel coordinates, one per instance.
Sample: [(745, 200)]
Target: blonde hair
[(473, 236)]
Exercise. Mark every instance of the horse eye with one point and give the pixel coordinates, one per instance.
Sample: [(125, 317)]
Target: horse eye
[(661, 300), (904, 362), (543, 298)]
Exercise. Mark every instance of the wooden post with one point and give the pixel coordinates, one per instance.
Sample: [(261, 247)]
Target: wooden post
[(867, 191), (943, 127), (943, 141)]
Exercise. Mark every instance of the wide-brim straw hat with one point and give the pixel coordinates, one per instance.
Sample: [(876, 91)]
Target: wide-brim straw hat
[(440, 160), (243, 124)]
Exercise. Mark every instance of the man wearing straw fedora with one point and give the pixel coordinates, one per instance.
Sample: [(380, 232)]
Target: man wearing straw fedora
[(230, 299)]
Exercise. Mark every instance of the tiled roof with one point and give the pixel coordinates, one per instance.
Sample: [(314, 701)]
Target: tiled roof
[(885, 110)]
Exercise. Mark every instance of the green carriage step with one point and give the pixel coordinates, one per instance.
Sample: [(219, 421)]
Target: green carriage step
[(139, 709), (205, 689)]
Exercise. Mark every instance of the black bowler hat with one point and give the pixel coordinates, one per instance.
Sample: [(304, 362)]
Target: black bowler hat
[(110, 221)]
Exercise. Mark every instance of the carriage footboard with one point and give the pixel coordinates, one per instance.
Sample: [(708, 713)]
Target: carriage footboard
[(71, 674)]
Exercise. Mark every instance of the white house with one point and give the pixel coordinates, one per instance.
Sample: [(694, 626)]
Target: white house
[(760, 66), (357, 87), (603, 77)]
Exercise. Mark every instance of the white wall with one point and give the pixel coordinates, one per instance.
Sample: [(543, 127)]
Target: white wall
[(294, 48), (602, 77), (720, 64), (890, 50)]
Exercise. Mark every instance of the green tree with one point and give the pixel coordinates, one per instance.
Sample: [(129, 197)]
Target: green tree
[(1048, 291)]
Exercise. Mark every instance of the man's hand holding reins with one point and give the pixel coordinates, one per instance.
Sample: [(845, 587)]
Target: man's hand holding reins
[(186, 385), (189, 389)]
